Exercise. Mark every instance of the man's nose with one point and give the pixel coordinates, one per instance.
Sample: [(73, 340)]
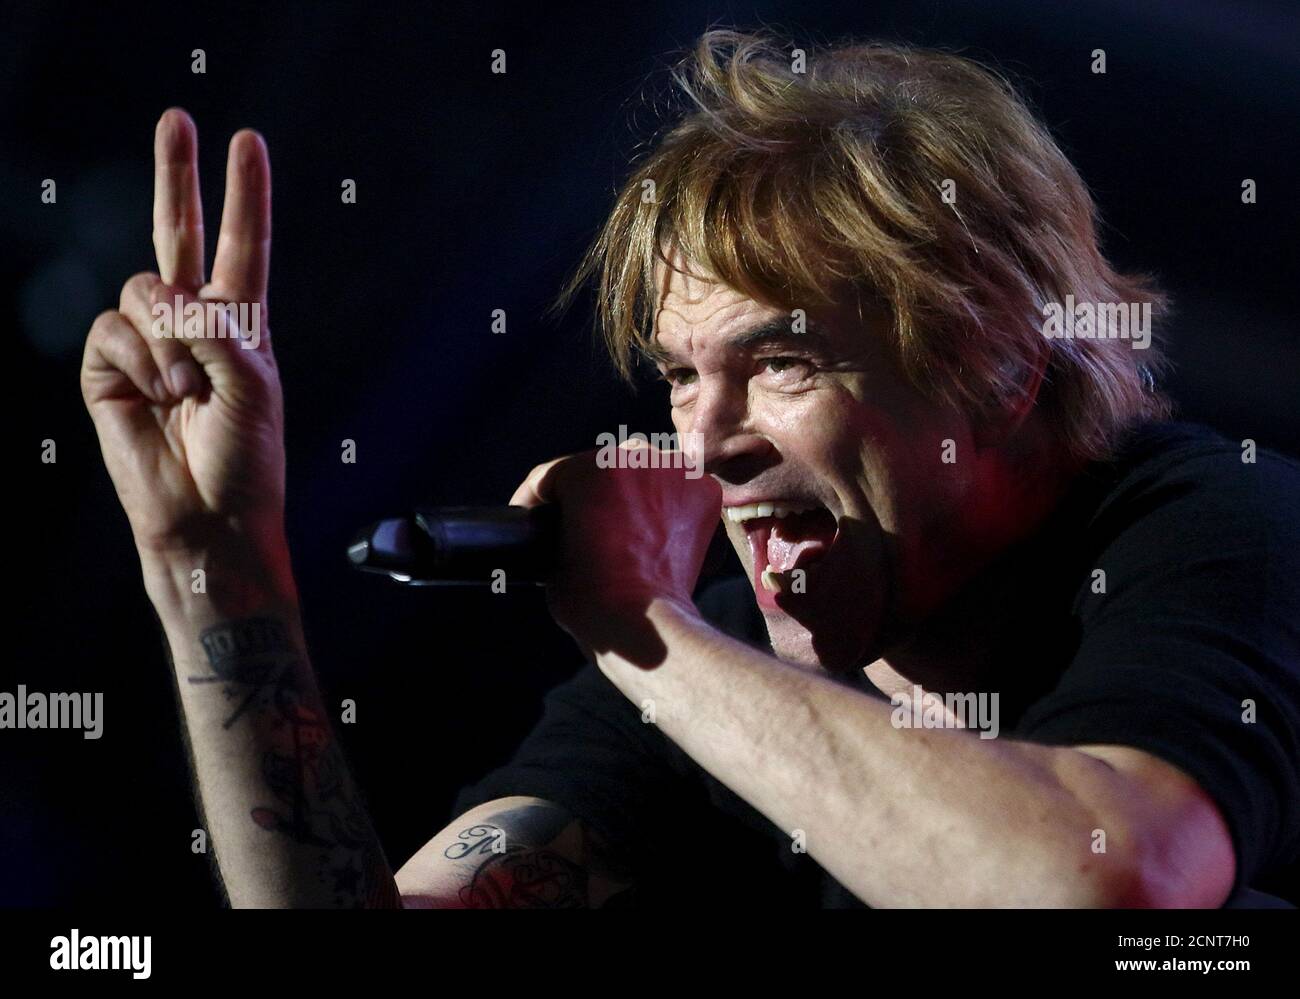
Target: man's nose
[(731, 447)]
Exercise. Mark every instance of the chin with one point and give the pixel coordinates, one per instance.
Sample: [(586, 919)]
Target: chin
[(834, 652), (792, 643)]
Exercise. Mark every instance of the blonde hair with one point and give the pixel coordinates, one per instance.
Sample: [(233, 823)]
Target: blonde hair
[(795, 187)]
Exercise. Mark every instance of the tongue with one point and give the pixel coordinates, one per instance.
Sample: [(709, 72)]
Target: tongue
[(785, 551)]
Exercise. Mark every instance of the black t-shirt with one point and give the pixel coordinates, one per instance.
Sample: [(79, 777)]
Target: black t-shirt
[(1199, 620)]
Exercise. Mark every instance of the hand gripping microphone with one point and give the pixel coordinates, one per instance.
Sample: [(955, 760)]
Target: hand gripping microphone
[(462, 545)]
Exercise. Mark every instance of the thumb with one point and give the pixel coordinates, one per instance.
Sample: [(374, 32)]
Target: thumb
[(215, 333)]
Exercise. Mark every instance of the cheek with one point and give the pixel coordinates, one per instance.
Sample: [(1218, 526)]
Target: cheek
[(872, 459), (682, 420), (847, 439), (805, 426), (916, 481)]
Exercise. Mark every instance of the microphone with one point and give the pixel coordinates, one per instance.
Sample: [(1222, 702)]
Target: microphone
[(462, 545)]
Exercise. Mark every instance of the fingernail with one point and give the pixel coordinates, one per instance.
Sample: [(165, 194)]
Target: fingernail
[(159, 390), (185, 378)]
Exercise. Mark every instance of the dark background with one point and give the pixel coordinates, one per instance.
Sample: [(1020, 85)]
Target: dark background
[(478, 192)]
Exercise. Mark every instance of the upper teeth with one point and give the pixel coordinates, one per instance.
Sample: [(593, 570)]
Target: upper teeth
[(740, 514)]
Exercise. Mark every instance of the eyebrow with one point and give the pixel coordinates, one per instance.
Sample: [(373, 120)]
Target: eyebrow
[(772, 331)]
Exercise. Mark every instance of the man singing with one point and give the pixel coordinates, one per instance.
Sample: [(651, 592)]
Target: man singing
[(1009, 637)]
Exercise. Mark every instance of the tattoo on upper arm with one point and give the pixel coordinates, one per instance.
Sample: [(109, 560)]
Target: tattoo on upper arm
[(519, 861), (316, 804)]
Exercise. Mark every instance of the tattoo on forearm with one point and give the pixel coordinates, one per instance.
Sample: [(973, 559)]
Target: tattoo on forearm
[(252, 658), (303, 767)]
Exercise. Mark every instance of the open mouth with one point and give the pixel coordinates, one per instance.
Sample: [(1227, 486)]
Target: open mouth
[(784, 537)]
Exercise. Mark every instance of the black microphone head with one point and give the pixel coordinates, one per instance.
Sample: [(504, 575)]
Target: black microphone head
[(397, 547), (462, 545)]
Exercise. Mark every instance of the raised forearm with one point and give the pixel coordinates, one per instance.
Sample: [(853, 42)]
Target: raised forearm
[(901, 817), (283, 813)]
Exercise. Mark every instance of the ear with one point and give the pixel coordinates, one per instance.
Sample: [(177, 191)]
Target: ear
[(1004, 416)]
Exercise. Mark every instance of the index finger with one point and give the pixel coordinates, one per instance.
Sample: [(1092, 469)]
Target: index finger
[(177, 209)]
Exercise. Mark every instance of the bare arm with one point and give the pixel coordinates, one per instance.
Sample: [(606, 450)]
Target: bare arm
[(514, 853), (287, 823), (927, 817), (190, 423)]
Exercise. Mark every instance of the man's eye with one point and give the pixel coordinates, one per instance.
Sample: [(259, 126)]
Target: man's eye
[(779, 365), (679, 376)]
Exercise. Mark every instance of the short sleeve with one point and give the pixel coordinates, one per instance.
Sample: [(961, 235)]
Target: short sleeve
[(593, 755), (1192, 651)]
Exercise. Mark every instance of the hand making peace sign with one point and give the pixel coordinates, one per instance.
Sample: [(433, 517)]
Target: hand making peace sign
[(192, 428)]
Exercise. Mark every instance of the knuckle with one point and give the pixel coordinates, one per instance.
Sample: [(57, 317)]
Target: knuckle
[(104, 323), (139, 287)]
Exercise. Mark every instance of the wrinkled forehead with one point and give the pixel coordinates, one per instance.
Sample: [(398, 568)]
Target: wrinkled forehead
[(694, 308), (681, 286)]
